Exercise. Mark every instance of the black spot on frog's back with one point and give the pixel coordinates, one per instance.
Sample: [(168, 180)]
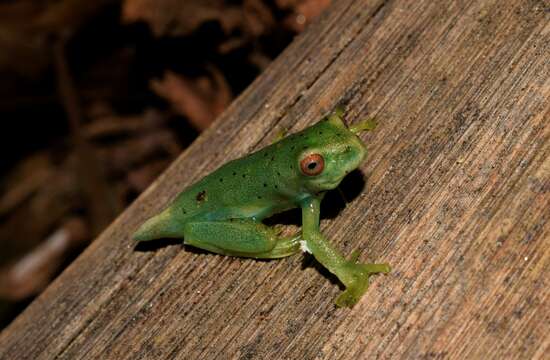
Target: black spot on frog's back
[(201, 196)]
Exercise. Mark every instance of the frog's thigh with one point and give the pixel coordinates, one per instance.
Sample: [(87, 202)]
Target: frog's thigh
[(239, 238)]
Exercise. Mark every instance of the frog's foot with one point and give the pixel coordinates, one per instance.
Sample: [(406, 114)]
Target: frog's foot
[(364, 125), (357, 281)]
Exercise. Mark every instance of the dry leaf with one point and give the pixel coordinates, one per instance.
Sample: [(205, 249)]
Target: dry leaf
[(179, 18), (200, 100)]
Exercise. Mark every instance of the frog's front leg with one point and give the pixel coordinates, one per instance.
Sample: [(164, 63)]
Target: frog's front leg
[(240, 237), (355, 276)]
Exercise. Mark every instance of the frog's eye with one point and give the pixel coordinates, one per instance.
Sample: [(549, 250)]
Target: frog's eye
[(312, 165)]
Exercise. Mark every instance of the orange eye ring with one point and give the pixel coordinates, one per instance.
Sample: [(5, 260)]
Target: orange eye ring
[(312, 165)]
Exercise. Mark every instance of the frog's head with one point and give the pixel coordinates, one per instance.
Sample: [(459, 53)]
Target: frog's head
[(331, 151)]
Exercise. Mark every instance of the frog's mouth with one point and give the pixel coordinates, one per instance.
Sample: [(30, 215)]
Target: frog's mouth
[(330, 185), (325, 183)]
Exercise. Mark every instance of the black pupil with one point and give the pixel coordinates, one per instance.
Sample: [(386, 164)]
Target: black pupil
[(312, 165)]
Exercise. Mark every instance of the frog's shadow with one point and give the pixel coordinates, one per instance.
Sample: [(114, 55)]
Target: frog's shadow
[(157, 244)]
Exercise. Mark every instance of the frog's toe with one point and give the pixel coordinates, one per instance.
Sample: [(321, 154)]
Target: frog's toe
[(359, 282), (354, 256), (352, 294), (376, 268)]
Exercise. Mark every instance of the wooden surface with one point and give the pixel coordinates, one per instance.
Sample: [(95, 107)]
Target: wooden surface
[(456, 199)]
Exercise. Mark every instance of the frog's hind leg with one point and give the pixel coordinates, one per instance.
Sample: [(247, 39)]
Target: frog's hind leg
[(238, 237)]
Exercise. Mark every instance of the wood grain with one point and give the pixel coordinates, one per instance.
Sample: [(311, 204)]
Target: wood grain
[(457, 199)]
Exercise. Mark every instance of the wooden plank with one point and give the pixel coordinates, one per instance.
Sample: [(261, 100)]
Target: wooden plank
[(457, 200)]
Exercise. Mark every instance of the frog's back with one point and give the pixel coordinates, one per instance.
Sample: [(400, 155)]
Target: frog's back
[(248, 187)]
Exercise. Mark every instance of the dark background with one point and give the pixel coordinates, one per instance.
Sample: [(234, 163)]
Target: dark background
[(97, 98)]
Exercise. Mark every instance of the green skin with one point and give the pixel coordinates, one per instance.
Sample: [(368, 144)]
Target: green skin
[(223, 212)]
